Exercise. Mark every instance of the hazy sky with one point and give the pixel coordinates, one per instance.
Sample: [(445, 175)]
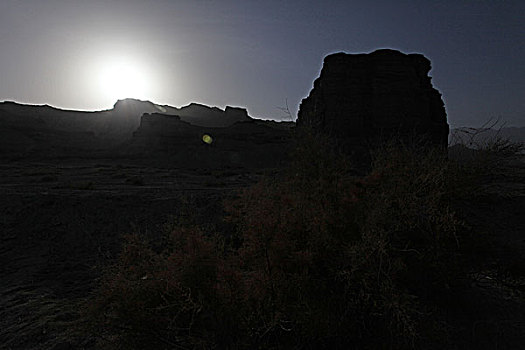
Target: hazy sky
[(255, 54)]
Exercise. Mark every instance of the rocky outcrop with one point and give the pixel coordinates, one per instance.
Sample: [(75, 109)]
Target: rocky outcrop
[(43, 130), (201, 115), (235, 139), (363, 98), (253, 143), (130, 111)]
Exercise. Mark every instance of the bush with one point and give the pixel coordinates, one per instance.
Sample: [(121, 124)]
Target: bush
[(320, 258), (154, 299), (484, 151), (340, 261)]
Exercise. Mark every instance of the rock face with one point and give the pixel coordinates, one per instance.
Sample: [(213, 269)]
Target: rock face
[(201, 115), (194, 113), (251, 143), (363, 98), (36, 131)]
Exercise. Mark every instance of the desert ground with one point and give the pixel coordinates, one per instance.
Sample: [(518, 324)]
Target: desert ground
[(62, 222)]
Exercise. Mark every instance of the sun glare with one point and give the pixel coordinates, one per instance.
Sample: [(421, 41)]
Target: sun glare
[(123, 78)]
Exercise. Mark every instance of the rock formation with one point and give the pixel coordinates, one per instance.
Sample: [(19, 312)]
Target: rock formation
[(129, 112), (251, 143), (40, 130), (201, 115), (143, 130), (362, 98)]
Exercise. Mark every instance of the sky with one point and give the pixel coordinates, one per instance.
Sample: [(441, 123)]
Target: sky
[(255, 54)]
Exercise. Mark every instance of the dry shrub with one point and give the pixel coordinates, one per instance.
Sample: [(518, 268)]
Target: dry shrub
[(320, 258), (484, 154), (336, 261), (151, 299)]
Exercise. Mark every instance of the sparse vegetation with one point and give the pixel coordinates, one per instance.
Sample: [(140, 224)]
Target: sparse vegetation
[(316, 258)]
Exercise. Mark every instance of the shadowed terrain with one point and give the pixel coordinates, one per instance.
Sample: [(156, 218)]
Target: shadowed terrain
[(154, 226), (73, 182), (63, 216)]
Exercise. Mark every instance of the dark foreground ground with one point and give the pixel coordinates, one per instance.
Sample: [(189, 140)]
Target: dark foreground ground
[(62, 220)]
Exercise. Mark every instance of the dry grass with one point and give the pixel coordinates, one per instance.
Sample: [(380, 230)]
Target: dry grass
[(317, 258)]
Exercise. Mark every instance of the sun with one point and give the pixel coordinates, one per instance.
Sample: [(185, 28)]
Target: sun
[(121, 78)]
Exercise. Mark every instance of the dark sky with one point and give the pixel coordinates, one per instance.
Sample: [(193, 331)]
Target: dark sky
[(255, 54)]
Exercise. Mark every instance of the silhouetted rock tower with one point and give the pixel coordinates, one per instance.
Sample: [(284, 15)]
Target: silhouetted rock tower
[(365, 98)]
